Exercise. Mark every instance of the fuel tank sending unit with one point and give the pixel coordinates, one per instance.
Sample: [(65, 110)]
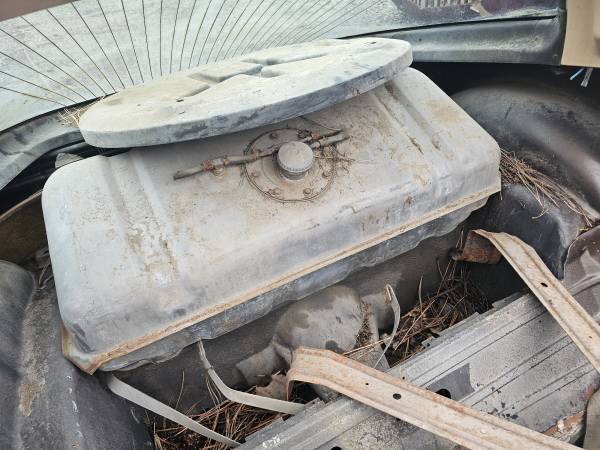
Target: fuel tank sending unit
[(250, 184)]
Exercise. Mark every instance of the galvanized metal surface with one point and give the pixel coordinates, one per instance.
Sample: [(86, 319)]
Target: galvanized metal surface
[(257, 89), (167, 262), (541, 381), (330, 318), (571, 316), (425, 409)]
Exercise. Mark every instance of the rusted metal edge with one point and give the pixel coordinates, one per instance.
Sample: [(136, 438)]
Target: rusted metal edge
[(19, 206), (577, 323), (477, 249), (568, 429), (90, 365), (425, 409)]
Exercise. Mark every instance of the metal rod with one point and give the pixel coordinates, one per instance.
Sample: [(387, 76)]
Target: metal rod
[(209, 165)]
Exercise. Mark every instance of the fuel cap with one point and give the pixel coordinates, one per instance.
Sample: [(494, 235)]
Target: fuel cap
[(295, 159)]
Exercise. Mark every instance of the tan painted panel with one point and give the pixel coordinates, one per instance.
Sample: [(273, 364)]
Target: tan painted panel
[(582, 41)]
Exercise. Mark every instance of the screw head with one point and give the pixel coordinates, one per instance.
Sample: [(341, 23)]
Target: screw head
[(307, 191)]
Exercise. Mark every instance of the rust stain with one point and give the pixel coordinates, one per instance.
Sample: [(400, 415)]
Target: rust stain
[(477, 249), (567, 428), (444, 112)]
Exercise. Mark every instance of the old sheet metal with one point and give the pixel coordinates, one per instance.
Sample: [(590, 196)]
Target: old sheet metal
[(577, 323), (425, 409)]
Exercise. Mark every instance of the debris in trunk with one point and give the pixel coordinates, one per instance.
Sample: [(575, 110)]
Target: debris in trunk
[(455, 299), (233, 420), (543, 188)]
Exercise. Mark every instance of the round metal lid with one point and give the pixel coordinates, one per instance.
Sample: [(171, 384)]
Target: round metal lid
[(260, 88), (294, 159)]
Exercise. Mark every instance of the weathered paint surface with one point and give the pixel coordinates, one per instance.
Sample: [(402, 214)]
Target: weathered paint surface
[(163, 262)]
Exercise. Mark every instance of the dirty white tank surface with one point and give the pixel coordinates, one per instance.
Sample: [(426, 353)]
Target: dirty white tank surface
[(146, 264)]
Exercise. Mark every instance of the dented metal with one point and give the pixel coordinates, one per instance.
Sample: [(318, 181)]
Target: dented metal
[(162, 263)]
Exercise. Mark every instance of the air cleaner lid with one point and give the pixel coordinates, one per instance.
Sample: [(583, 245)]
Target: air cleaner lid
[(260, 88)]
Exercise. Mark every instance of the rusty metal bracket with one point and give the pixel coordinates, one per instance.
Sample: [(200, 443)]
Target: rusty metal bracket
[(577, 323), (477, 249), (420, 407)]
